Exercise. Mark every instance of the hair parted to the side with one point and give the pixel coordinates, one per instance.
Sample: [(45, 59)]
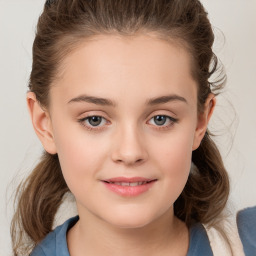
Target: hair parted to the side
[(62, 26)]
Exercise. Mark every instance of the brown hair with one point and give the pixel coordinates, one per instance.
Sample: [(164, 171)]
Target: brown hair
[(61, 27)]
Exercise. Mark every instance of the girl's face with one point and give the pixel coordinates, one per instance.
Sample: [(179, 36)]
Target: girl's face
[(123, 120)]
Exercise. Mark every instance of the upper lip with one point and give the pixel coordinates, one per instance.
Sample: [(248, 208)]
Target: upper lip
[(130, 180)]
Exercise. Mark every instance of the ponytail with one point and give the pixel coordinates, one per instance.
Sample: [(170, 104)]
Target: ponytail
[(39, 197), (206, 192)]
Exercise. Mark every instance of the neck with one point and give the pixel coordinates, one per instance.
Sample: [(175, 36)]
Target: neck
[(163, 236)]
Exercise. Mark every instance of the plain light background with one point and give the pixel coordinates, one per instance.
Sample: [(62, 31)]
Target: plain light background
[(234, 121)]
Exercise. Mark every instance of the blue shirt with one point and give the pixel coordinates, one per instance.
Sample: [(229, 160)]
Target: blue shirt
[(55, 243), (246, 222)]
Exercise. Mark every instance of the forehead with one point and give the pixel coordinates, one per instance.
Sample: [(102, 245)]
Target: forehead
[(113, 65)]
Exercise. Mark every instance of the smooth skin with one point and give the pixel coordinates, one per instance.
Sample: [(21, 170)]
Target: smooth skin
[(131, 134)]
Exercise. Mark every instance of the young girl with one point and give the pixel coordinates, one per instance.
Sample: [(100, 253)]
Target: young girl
[(119, 96)]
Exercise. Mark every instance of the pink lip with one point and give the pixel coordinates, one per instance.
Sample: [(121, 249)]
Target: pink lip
[(129, 191)]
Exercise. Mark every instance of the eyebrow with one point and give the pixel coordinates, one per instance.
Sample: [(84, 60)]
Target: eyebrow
[(165, 99), (108, 102), (94, 100)]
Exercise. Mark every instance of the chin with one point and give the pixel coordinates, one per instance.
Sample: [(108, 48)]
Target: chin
[(130, 219), (130, 224)]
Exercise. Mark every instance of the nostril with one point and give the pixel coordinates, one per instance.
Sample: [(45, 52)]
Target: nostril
[(129, 161)]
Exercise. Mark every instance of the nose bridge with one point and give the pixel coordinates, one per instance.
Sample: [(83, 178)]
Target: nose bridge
[(129, 145)]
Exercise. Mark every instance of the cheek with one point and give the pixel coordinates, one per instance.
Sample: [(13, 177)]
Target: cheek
[(173, 157), (176, 148), (177, 161), (80, 156)]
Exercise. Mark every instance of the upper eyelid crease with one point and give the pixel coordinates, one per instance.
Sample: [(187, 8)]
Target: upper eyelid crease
[(108, 102)]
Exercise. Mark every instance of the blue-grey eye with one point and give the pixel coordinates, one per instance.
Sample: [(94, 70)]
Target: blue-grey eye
[(94, 120), (160, 120)]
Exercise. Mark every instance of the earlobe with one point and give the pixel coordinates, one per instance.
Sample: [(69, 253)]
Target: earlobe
[(203, 120), (41, 122)]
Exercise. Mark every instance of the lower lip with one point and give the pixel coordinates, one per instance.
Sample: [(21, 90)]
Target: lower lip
[(129, 191)]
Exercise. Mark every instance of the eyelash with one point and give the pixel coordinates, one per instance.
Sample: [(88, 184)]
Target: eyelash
[(96, 128)]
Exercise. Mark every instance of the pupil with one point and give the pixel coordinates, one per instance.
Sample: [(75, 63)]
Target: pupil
[(95, 120), (160, 120)]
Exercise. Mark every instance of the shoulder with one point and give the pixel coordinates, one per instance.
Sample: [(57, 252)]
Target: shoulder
[(199, 243), (55, 243), (246, 223), (239, 232)]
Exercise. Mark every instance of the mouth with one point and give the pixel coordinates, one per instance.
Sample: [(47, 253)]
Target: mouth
[(134, 181), (129, 186)]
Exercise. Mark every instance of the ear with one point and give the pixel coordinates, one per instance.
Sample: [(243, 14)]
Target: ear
[(203, 120), (42, 123)]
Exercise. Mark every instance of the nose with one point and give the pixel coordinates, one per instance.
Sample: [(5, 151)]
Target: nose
[(129, 147)]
